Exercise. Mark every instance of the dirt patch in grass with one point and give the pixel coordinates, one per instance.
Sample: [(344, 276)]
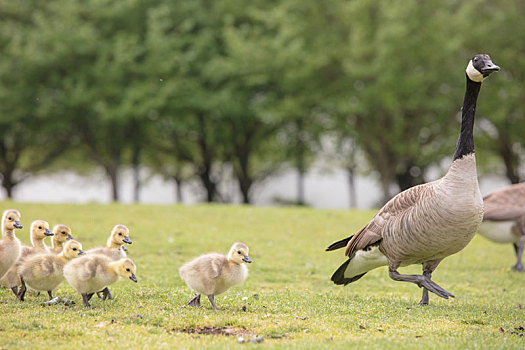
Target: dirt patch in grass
[(212, 330)]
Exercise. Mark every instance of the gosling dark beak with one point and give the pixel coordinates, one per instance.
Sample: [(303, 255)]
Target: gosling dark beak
[(18, 224), (48, 233), (124, 248), (246, 259), (488, 68), (69, 237), (127, 240), (133, 277), (81, 252)]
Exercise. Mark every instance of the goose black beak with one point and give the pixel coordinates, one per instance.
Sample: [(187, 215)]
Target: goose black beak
[(133, 277), (48, 233), (246, 259), (127, 240), (81, 252), (124, 248), (69, 237), (488, 68), (18, 224)]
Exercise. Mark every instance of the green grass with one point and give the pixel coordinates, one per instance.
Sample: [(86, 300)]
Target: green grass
[(296, 305)]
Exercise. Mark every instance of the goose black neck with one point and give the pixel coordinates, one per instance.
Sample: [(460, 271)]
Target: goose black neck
[(466, 135)]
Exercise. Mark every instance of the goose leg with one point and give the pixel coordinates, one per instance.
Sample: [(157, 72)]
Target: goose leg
[(195, 301), (424, 297), (23, 289), (519, 253), (421, 281), (212, 301)]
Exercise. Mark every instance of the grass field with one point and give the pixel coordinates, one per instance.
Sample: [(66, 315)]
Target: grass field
[(289, 298)]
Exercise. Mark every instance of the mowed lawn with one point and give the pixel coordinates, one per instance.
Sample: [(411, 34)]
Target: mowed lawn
[(288, 297)]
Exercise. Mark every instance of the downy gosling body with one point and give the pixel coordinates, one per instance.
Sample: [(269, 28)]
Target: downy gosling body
[(426, 223), (38, 233), (504, 219), (44, 272), (10, 246), (114, 250), (61, 234), (214, 273), (91, 273)]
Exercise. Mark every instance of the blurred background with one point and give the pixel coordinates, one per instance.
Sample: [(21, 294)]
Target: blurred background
[(332, 104)]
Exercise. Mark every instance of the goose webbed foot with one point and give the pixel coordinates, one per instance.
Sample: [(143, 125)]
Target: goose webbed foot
[(195, 301), (212, 301), (421, 281), (424, 297)]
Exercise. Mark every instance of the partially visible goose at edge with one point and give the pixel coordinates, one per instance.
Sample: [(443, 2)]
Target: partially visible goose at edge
[(426, 223), (504, 219)]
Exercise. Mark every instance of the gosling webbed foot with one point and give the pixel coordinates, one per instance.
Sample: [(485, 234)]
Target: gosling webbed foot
[(15, 290), (106, 294), (85, 299), (195, 301)]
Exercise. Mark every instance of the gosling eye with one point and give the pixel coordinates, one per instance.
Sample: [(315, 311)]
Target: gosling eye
[(120, 233), (75, 249), (63, 232), (239, 252), (127, 270), (39, 227), (10, 218)]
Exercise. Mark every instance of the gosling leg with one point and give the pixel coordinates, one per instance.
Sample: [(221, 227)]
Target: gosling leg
[(421, 281), (50, 293), (212, 301), (23, 290), (106, 294), (86, 300), (195, 301)]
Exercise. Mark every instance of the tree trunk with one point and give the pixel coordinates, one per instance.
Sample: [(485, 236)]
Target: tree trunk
[(204, 170), (511, 161), (8, 184), (113, 172), (351, 187), (135, 161), (406, 179), (178, 189)]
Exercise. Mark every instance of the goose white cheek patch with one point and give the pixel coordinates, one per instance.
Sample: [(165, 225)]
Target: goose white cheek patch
[(473, 73)]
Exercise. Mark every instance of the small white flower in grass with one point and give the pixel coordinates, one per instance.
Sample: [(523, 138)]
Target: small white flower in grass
[(171, 240), (244, 298)]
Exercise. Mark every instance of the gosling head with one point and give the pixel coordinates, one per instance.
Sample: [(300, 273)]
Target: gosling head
[(120, 235), (62, 233), (72, 249), (480, 67), (11, 219), (126, 268), (239, 253), (40, 230)]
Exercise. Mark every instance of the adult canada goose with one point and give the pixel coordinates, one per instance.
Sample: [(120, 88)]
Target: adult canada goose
[(92, 273), (504, 219), (9, 245), (44, 272), (38, 233), (426, 223), (61, 234), (214, 273), (114, 249)]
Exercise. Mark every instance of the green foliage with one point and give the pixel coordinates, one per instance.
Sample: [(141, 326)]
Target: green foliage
[(288, 295)]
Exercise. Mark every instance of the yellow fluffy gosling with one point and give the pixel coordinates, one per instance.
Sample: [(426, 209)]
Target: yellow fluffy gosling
[(214, 273), (38, 232), (114, 250), (62, 233), (91, 273), (44, 272), (9, 245)]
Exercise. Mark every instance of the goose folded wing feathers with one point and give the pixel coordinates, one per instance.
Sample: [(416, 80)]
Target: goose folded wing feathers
[(505, 204), (396, 210)]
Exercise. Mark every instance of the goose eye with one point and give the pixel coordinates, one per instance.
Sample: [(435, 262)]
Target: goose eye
[(127, 270)]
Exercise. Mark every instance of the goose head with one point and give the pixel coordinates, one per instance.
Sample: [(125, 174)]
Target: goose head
[(40, 230), (11, 220), (119, 235), (72, 249), (126, 268), (239, 253), (480, 67), (62, 233)]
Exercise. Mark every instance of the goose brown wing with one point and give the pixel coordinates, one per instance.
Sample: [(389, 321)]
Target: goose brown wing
[(505, 204), (394, 210)]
